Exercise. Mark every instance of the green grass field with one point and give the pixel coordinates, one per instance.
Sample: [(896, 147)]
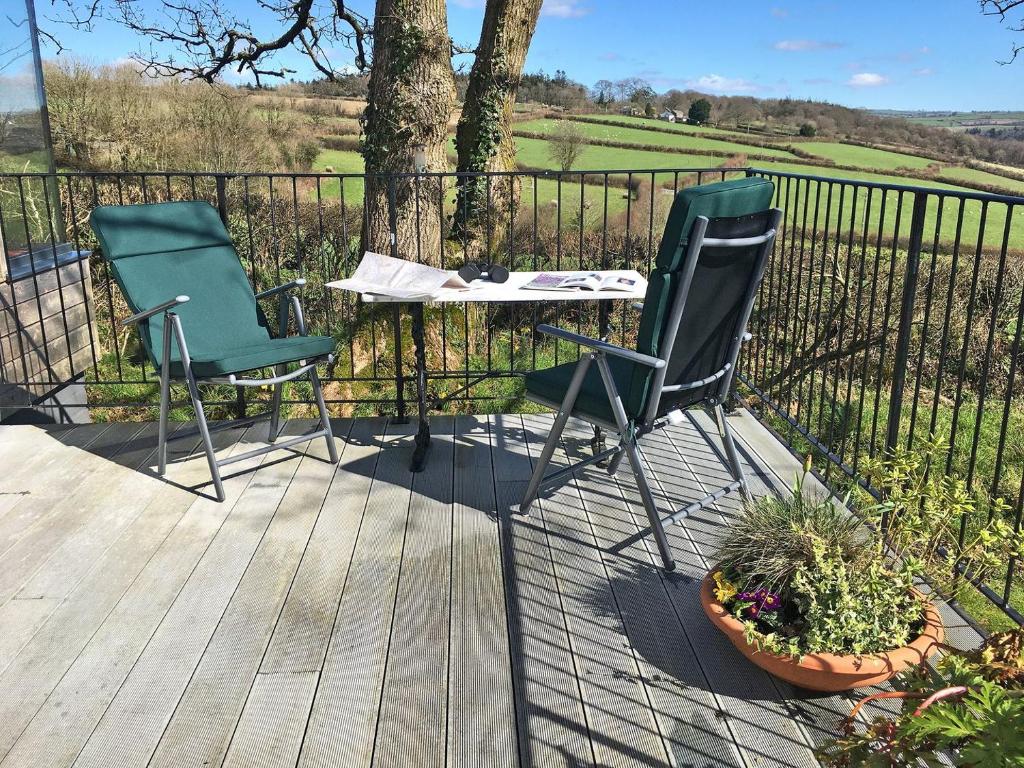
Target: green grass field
[(953, 173), (864, 157), (684, 128), (641, 136)]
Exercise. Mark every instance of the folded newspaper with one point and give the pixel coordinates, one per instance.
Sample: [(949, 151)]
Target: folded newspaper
[(400, 279)]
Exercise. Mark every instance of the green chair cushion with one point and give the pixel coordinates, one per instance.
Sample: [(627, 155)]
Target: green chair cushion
[(736, 197), (134, 230), (551, 385), (270, 353)]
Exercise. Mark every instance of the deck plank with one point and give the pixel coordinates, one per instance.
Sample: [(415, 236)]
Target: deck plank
[(290, 670), (72, 514), (200, 730), (623, 727), (134, 721), (690, 714), (552, 725), (481, 708), (343, 720), (413, 707), (86, 649), (685, 468)]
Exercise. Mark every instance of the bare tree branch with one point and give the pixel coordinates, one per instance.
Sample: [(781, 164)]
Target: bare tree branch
[(1005, 11), (209, 39)]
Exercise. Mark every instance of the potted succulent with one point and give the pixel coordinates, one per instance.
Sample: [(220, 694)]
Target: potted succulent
[(973, 715), (808, 592)]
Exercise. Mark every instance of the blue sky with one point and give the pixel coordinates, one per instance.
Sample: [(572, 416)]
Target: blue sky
[(916, 54)]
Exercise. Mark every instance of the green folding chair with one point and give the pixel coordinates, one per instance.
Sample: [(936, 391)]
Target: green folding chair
[(198, 317), (693, 323)]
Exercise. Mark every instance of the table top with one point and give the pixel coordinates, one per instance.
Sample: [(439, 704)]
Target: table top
[(512, 290)]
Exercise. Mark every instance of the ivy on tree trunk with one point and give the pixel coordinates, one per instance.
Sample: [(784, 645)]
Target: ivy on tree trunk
[(483, 138)]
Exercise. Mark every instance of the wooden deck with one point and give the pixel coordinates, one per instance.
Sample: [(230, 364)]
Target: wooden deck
[(363, 615)]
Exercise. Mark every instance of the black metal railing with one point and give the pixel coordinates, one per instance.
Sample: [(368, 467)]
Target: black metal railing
[(889, 313)]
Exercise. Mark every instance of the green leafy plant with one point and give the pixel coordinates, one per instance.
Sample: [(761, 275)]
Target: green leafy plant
[(922, 512), (976, 719)]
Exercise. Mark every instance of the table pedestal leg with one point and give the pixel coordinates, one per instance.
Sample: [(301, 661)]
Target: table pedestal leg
[(423, 431)]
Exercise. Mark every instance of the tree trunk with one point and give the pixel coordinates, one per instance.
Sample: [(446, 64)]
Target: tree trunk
[(484, 136), (411, 97)]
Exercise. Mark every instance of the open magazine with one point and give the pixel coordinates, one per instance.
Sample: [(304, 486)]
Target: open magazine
[(387, 276), (580, 281)]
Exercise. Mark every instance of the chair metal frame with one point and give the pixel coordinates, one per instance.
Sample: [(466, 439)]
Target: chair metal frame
[(628, 430), (288, 305)]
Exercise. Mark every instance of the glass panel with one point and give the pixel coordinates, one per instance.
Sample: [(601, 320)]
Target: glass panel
[(29, 207)]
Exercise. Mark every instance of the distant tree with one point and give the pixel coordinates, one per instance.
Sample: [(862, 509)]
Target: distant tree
[(603, 92), (700, 111), (808, 130), (566, 144), (674, 99), (648, 109), (1011, 13)]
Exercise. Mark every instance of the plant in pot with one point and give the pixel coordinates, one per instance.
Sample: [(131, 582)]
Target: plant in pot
[(807, 591), (968, 712)]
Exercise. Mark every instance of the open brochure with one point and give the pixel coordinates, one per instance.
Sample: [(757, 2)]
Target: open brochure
[(387, 276), (580, 281)]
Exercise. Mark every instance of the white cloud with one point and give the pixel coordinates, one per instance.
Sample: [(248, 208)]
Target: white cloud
[(780, 13), (564, 9), (924, 71), (807, 45), (867, 80), (720, 84)]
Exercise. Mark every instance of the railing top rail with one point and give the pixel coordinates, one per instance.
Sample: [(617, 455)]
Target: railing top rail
[(405, 174), (964, 194)]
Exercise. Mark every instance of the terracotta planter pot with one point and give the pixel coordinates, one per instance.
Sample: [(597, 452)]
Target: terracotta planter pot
[(826, 671)]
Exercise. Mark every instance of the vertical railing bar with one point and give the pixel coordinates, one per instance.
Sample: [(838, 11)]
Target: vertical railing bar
[(1015, 349), (851, 364), (947, 316), (82, 272), (869, 346), (906, 318), (45, 356), (962, 369), (926, 322), (844, 305), (887, 315)]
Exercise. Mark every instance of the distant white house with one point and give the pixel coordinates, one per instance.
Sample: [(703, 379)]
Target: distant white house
[(672, 116)]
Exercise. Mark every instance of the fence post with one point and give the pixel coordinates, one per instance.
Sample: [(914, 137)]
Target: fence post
[(902, 354)]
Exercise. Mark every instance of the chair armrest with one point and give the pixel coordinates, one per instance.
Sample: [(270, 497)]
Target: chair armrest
[(601, 346), (148, 313), (297, 283)]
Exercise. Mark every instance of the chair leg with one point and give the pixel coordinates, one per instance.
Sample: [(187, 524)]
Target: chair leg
[(325, 417), (735, 466), (616, 460), (204, 431), (636, 461), (556, 432), (275, 407), (165, 401)]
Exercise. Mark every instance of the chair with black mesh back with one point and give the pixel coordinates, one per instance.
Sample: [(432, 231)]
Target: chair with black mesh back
[(693, 323), (181, 276)]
